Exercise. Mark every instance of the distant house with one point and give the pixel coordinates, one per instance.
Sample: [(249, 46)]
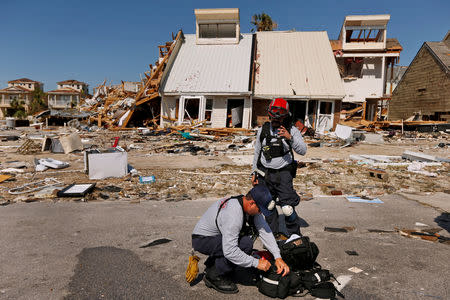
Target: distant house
[(208, 74), (19, 89), (300, 67), (68, 94), (363, 53), (425, 87)]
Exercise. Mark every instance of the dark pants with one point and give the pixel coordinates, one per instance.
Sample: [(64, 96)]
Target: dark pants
[(212, 246), (280, 185)]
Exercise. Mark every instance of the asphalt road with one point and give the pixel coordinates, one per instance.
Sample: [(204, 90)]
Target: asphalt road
[(73, 250)]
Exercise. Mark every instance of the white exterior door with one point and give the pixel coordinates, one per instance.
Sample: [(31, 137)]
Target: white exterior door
[(325, 116)]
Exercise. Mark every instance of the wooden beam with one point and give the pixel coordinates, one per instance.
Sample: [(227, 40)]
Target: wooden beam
[(152, 96)]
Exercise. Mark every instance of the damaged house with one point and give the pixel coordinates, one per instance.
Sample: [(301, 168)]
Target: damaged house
[(223, 78), (363, 53), (300, 67), (207, 79), (424, 90), (68, 94)]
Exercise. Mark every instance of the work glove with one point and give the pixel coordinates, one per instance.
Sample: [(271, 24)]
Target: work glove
[(192, 268)]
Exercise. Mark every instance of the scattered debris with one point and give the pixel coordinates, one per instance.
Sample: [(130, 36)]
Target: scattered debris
[(351, 252), (106, 163), (433, 237), (77, 190), (355, 270), (34, 186), (363, 200), (339, 229), (147, 179), (29, 147), (5, 177), (156, 242), (378, 173)]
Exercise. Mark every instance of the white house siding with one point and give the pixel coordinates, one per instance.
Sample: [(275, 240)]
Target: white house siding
[(370, 85)]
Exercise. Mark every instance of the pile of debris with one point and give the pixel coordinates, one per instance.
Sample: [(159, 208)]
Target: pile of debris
[(357, 118), (114, 106)]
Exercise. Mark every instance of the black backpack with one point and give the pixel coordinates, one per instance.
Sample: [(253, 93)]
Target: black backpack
[(299, 254), (306, 276)]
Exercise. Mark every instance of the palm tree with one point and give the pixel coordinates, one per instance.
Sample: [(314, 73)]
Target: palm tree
[(263, 22)]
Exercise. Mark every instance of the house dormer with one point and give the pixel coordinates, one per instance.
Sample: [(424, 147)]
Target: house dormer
[(364, 33), (217, 26)]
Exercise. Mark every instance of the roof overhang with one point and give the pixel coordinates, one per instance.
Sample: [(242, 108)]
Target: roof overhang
[(368, 54), (206, 94), (301, 97), (366, 20), (217, 14)]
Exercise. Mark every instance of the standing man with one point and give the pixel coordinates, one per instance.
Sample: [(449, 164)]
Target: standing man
[(274, 164), (223, 234)]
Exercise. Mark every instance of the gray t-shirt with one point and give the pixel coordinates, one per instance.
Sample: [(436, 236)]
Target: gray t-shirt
[(297, 143), (230, 221)]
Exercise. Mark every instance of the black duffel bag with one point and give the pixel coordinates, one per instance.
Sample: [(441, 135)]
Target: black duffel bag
[(277, 286)]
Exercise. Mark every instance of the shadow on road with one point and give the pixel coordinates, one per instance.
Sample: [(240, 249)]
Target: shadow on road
[(113, 273), (444, 221)]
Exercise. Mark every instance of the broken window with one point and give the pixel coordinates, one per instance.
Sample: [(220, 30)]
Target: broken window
[(208, 110), (217, 30), (350, 67), (366, 35), (326, 107), (191, 109)]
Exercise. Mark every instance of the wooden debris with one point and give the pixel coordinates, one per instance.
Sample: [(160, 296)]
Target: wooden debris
[(28, 147), (115, 106)]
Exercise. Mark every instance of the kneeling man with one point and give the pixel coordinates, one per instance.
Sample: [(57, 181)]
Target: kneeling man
[(224, 234)]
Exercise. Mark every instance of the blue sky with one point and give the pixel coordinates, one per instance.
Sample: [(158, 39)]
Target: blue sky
[(54, 40)]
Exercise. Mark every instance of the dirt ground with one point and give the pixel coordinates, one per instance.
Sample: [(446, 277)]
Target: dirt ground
[(193, 169)]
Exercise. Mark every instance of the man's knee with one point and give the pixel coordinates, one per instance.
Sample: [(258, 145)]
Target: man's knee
[(289, 213)]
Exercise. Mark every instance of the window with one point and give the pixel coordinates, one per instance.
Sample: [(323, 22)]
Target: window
[(325, 108), (208, 109), (29, 85), (364, 35), (217, 30), (78, 86)]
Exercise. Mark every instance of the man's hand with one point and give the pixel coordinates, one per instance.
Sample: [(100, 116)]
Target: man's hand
[(263, 265), (282, 267), (254, 179), (284, 133)]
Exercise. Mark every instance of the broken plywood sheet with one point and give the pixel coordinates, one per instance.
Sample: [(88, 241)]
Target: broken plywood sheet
[(71, 143)]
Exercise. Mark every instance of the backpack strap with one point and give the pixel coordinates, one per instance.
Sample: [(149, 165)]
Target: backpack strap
[(222, 205)]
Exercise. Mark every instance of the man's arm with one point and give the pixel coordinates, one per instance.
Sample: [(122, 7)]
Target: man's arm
[(297, 143), (230, 223), (257, 150), (266, 236)]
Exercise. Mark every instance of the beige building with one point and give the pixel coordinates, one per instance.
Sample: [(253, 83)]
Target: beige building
[(68, 94), (424, 90), (19, 89)]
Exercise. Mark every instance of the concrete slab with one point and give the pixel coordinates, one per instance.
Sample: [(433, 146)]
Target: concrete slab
[(437, 200)]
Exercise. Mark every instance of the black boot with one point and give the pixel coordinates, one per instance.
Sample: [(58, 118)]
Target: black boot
[(219, 283)]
